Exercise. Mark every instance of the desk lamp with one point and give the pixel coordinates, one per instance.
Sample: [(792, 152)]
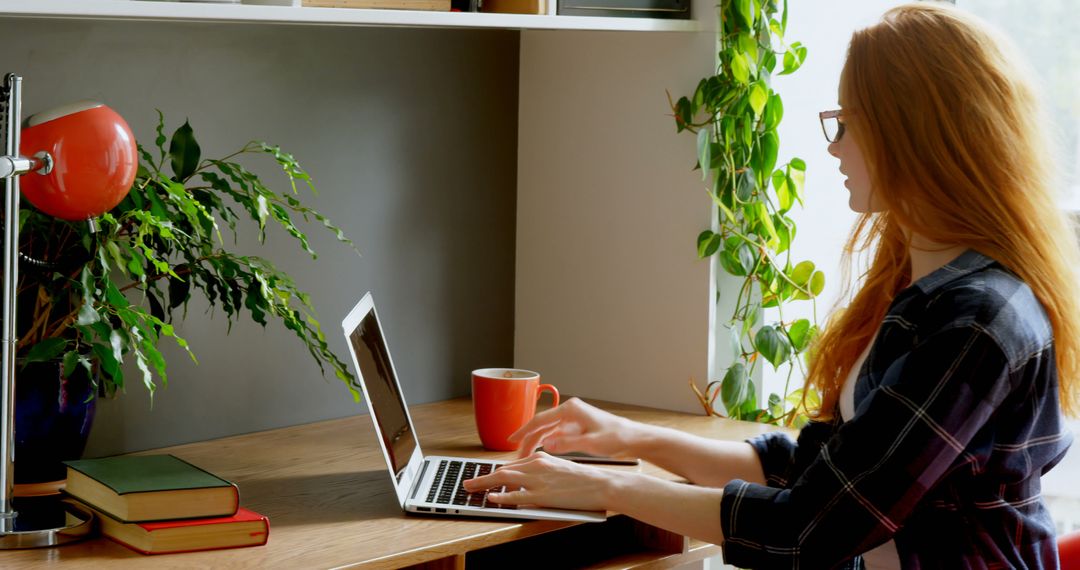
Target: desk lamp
[(78, 162)]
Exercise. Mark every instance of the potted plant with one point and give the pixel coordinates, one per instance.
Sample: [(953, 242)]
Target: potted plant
[(735, 115), (91, 299)]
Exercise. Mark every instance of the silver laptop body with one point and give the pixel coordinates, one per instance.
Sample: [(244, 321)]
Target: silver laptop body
[(429, 485)]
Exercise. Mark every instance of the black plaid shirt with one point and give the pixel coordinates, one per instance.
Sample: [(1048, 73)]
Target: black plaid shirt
[(956, 418)]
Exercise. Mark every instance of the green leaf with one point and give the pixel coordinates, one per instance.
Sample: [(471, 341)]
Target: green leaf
[(799, 333), (87, 315), (793, 58), (727, 124), (776, 408), (46, 350), (118, 344), (783, 190), (774, 26), (134, 267), (109, 365), (817, 283), (87, 366), (773, 240), (813, 399), (733, 386), (774, 112), (157, 207), (149, 346), (769, 61), (731, 264), (770, 147), (704, 150), (745, 11), (263, 211), (184, 152), (747, 259), (735, 336), (179, 291), (740, 70), (71, 359), (114, 296), (117, 257), (148, 378), (684, 114), (798, 164), (708, 243), (794, 397), (728, 214), (748, 410), (746, 186), (747, 44), (783, 231), (802, 273), (160, 130), (755, 318), (759, 96), (750, 217), (773, 345)]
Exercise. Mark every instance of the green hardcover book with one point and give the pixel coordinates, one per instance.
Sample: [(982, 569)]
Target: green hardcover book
[(147, 488)]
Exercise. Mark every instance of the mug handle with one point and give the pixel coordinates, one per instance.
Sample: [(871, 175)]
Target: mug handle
[(554, 392)]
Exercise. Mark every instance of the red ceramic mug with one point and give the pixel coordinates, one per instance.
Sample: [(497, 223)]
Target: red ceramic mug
[(504, 399)]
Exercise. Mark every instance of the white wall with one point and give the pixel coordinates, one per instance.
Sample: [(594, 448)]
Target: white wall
[(611, 299)]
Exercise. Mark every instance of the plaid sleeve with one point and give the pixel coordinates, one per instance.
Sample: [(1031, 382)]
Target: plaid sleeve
[(783, 460), (876, 467)]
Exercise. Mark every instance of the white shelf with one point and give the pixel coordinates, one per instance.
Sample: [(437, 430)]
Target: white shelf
[(246, 13)]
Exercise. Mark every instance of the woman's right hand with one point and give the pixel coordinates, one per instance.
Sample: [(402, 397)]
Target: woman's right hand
[(577, 426)]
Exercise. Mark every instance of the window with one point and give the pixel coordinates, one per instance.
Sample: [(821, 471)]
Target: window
[(1047, 32)]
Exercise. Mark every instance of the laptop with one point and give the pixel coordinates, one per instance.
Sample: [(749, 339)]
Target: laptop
[(429, 485)]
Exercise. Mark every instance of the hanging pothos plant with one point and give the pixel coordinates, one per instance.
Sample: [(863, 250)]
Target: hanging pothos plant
[(735, 114)]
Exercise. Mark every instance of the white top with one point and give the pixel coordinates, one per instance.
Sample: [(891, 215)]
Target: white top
[(884, 557)]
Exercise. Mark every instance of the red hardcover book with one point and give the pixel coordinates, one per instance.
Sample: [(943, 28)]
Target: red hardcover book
[(245, 528)]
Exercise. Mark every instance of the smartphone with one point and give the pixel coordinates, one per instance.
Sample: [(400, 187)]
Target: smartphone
[(580, 457)]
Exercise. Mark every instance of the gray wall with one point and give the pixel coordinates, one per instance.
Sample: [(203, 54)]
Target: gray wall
[(411, 138)]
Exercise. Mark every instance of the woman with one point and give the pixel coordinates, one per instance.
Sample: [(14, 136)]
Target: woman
[(944, 379)]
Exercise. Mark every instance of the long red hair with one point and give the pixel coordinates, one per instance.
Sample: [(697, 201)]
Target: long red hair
[(955, 144)]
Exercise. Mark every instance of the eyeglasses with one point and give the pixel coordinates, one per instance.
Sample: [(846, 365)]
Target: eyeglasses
[(831, 125)]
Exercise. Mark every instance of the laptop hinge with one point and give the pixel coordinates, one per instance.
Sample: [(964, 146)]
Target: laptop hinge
[(419, 479)]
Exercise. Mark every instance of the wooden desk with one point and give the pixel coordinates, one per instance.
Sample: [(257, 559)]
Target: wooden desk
[(331, 505)]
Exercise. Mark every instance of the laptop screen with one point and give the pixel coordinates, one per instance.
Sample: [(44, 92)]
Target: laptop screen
[(383, 391)]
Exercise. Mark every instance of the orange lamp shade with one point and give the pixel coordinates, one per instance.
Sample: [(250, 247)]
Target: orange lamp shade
[(94, 160)]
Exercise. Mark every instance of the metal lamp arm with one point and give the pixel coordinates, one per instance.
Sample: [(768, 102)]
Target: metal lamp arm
[(15, 531)]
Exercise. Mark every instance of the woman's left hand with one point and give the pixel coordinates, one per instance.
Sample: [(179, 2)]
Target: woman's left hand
[(547, 481)]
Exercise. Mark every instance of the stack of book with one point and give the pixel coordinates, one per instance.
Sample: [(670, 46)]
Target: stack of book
[(158, 504)]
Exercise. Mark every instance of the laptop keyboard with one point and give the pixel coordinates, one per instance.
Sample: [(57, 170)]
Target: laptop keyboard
[(446, 489)]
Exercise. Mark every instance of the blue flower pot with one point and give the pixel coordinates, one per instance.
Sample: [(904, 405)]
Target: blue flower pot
[(53, 415)]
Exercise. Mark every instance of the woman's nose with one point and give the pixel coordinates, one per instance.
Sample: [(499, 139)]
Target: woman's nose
[(834, 149)]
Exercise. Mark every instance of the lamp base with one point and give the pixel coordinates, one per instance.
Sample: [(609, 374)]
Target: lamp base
[(45, 521)]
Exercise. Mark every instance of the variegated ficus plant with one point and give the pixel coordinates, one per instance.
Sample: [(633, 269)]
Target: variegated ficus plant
[(100, 297)]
